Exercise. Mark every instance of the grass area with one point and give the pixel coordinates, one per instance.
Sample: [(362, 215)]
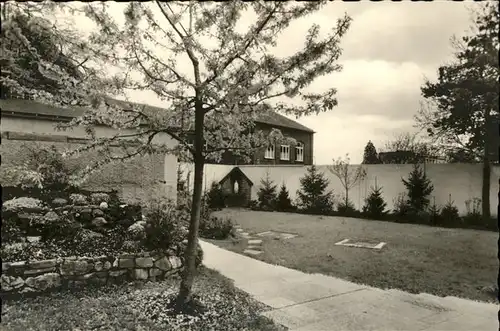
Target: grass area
[(417, 258), (139, 306)]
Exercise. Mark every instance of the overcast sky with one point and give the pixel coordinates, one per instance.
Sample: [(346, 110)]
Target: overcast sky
[(389, 50)]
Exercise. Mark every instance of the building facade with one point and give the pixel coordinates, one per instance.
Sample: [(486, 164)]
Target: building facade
[(277, 154), (29, 124)]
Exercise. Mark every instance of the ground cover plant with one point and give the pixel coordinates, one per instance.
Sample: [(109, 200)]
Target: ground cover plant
[(140, 306), (417, 258)]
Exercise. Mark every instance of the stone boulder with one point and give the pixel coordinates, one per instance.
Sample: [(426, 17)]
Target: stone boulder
[(59, 202), (51, 217), (97, 213), (86, 215), (137, 230), (44, 282), (25, 204), (10, 283), (99, 222)]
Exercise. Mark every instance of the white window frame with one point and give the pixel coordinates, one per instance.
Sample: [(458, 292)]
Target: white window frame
[(270, 152), (299, 152), (285, 152)]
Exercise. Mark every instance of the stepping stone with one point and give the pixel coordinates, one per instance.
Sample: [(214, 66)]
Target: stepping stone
[(33, 239), (239, 230), (255, 242), (245, 235), (256, 248), (252, 252)]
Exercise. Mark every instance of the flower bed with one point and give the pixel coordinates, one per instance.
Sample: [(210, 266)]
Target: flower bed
[(39, 276)]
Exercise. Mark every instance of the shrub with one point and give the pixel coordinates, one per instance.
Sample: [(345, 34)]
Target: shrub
[(449, 213), (215, 197), (216, 228), (401, 206), (97, 198), (235, 199), (267, 193), (165, 226), (253, 205), (78, 199), (348, 209), (375, 204), (473, 215), (10, 229), (419, 188), (312, 197), (64, 228), (23, 203), (124, 215), (434, 213), (283, 202)]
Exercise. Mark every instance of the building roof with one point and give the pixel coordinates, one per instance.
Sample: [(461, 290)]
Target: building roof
[(29, 108), (275, 119), (237, 171)]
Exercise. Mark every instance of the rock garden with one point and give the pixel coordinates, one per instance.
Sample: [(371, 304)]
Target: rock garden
[(87, 238)]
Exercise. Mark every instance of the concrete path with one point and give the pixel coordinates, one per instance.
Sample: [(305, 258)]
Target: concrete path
[(313, 302)]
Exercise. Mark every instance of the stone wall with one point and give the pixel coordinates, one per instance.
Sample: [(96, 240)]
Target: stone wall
[(40, 276)]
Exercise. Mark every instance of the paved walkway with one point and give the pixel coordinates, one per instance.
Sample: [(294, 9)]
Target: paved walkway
[(313, 302)]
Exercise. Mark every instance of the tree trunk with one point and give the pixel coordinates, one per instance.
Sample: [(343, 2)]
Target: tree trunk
[(485, 192), (346, 196), (188, 274)]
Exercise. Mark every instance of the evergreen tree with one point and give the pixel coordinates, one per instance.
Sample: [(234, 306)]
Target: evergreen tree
[(375, 204), (449, 214), (370, 155), (284, 203), (216, 199), (267, 193), (419, 188), (312, 196), (434, 213)]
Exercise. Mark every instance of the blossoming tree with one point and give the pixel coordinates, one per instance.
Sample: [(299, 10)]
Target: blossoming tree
[(213, 76)]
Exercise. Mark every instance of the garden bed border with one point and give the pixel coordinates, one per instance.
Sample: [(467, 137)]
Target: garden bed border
[(34, 277)]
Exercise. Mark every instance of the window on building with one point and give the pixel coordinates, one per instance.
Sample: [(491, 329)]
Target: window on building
[(285, 152), (299, 152), (269, 152)]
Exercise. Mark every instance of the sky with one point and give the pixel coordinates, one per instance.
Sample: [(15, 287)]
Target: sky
[(388, 52)]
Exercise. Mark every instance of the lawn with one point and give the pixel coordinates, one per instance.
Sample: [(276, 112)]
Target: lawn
[(139, 306), (417, 258)]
